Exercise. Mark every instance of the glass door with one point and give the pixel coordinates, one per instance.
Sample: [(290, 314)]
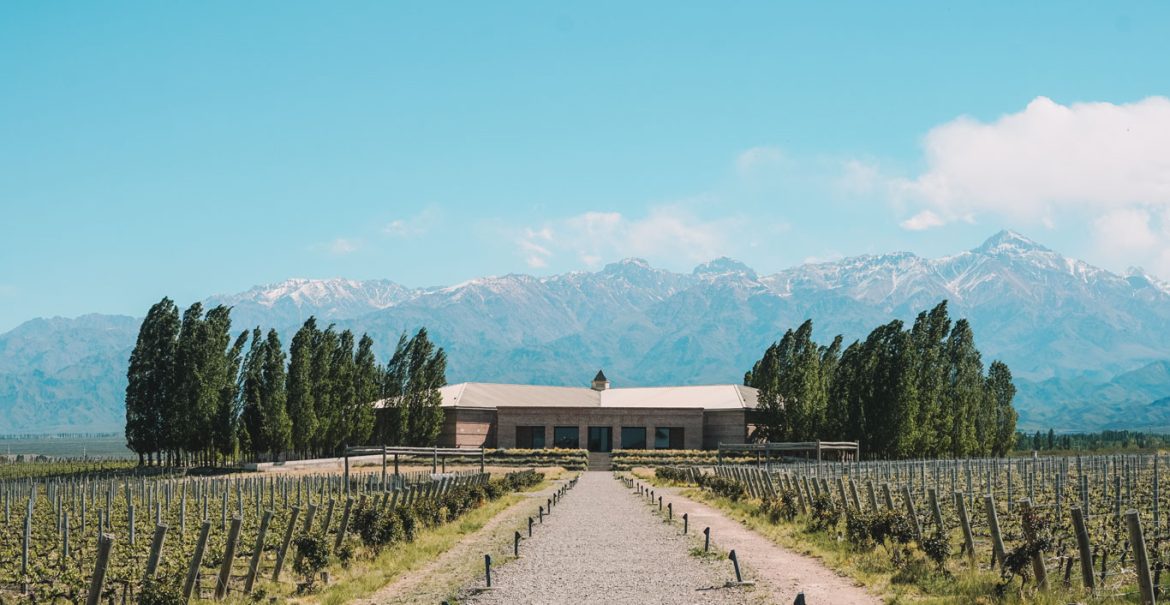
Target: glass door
[(600, 438)]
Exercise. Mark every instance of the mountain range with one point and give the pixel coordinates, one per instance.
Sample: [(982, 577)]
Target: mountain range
[(1090, 349)]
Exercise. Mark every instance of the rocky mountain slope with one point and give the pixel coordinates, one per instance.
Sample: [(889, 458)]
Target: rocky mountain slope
[(1072, 333)]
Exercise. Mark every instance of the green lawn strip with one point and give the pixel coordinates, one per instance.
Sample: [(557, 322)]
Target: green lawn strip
[(918, 581)]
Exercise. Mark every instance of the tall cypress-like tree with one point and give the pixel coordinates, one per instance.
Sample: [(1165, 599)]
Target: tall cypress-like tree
[(929, 334), (367, 385), (769, 417), (302, 407), (413, 377), (964, 388), (1001, 391), (274, 400), (252, 396), (150, 380), (227, 414), (902, 393), (189, 384), (324, 347), (341, 377)]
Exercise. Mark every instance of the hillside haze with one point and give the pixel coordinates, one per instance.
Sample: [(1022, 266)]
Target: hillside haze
[(1088, 347)]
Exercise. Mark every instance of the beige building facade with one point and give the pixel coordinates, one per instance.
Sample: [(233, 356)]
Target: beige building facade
[(598, 418)]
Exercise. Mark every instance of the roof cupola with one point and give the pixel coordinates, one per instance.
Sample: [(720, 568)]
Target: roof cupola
[(600, 382)]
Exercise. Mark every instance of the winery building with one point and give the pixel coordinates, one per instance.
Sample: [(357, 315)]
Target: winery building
[(598, 418)]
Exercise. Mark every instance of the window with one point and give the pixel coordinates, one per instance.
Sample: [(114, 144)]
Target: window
[(530, 437), (567, 437), (633, 437), (668, 438)]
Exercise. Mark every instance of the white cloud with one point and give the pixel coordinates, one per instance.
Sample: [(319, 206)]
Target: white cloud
[(926, 219), (1048, 158), (665, 235), (1102, 164), (1135, 237), (413, 226), (758, 158), (342, 246)]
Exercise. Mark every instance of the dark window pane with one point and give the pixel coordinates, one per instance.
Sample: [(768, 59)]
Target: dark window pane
[(600, 438), (661, 438), (676, 438), (530, 437), (633, 437), (567, 437)]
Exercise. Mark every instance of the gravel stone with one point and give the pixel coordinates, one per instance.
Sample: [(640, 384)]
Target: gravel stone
[(602, 544)]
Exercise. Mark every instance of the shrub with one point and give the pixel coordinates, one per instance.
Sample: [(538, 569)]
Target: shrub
[(728, 488), (312, 557), (937, 547), (824, 512), (780, 508), (158, 592)]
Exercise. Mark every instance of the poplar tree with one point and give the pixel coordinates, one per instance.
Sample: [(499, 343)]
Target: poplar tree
[(225, 432), (341, 378), (412, 380), (276, 423), (964, 388), (1001, 391), (320, 373), (302, 407), (252, 395), (367, 379), (150, 380)]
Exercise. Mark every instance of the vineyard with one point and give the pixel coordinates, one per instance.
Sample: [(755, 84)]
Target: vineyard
[(1070, 524), (165, 539)]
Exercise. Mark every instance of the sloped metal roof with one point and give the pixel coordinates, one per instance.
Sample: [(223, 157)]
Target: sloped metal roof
[(707, 397)]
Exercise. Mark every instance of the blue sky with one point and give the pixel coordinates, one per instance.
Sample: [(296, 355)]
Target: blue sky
[(189, 149)]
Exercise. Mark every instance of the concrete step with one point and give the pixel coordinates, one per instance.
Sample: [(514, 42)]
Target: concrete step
[(600, 461)]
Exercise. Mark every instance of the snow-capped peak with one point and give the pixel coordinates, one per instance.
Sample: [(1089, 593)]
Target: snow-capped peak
[(1009, 242), (723, 266)]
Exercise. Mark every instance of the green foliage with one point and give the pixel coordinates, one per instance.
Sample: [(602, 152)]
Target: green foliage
[(411, 387), (673, 473), (728, 488), (150, 379), (904, 393), (155, 591), (937, 547), (194, 395), (312, 557), (780, 508), (823, 512)]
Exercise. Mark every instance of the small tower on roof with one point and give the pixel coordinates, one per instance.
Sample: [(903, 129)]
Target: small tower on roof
[(600, 382)]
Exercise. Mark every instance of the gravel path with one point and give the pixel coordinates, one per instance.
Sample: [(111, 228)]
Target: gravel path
[(602, 544), (783, 571)]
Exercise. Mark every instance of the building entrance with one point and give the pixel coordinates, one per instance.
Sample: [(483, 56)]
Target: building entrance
[(600, 438)]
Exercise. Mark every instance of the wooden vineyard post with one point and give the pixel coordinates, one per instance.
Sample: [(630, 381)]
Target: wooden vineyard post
[(254, 564), (1140, 559), (935, 510), (156, 547), (288, 534), (97, 582), (344, 523), (1083, 547), (1038, 567), (912, 513), (229, 554), (997, 548), (965, 523), (196, 561)]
